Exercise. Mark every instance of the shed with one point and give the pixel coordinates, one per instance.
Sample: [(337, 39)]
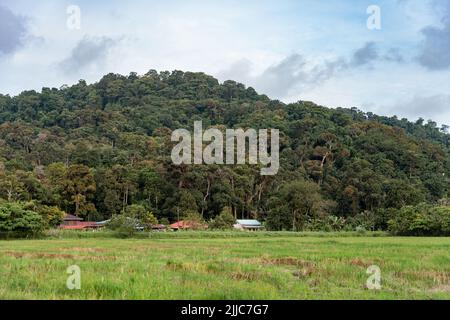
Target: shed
[(248, 224)]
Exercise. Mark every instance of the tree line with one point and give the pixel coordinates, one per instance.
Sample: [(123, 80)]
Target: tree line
[(94, 150)]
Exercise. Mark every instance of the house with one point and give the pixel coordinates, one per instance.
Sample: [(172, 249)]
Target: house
[(71, 222), (251, 225), (187, 225)]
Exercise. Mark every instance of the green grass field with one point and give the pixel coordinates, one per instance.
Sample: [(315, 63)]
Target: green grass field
[(232, 266)]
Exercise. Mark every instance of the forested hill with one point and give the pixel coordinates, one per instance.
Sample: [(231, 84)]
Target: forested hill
[(94, 149)]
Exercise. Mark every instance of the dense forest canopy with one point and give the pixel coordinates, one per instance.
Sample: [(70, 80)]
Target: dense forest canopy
[(93, 150)]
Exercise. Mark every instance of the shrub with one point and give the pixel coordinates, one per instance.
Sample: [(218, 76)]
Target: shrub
[(366, 220), (360, 230), (123, 226), (141, 214), (15, 219), (326, 223), (224, 221), (421, 220), (52, 216), (164, 221), (382, 217), (134, 218)]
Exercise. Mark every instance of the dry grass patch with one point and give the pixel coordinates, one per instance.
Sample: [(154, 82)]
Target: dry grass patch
[(289, 261), (186, 266), (46, 255), (247, 276), (441, 289), (81, 249), (362, 263)]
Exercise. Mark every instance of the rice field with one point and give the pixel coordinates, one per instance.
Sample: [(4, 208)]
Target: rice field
[(225, 266)]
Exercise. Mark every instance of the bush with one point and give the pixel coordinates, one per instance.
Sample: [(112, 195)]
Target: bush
[(134, 218), (142, 215), (224, 221), (165, 221), (326, 223), (366, 220), (382, 217), (360, 230), (52, 216), (15, 219), (421, 220), (123, 226)]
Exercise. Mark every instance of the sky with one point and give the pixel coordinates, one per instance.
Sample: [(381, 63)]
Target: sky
[(337, 53)]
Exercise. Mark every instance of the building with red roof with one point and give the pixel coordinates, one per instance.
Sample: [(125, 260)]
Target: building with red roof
[(72, 222), (186, 225)]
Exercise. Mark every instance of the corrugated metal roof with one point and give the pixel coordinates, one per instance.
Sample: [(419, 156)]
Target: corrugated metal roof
[(102, 223), (253, 223)]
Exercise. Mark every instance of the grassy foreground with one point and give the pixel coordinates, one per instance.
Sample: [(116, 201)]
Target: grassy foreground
[(186, 266)]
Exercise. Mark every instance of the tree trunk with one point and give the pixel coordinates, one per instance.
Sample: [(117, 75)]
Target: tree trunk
[(206, 195)]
